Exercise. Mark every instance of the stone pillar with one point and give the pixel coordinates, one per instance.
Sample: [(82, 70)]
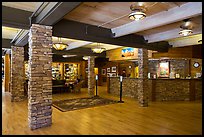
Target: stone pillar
[(91, 76), (17, 74), (143, 79), (6, 72), (40, 76)]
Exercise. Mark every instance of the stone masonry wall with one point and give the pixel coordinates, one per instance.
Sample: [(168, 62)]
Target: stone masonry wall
[(165, 89), (180, 66), (143, 81), (17, 74), (172, 90), (130, 87), (198, 89), (40, 76), (91, 78)]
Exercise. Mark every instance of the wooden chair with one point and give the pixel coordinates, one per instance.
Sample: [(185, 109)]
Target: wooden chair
[(77, 87)]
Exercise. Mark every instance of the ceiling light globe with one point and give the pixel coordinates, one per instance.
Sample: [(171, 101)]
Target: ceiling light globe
[(185, 32), (137, 15)]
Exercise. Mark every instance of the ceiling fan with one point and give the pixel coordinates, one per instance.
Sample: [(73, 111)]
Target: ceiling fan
[(138, 10)]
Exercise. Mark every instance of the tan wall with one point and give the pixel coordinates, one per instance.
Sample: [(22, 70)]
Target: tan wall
[(6, 72)]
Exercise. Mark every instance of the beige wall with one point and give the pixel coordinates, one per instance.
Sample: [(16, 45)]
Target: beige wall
[(6, 72)]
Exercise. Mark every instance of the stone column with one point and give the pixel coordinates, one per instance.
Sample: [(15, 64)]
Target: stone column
[(143, 81), (17, 74), (40, 76), (91, 78), (7, 72)]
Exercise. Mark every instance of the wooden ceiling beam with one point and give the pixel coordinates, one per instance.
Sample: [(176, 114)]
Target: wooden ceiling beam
[(185, 11), (15, 18), (79, 52), (78, 44), (6, 43), (50, 13), (170, 34), (86, 32), (21, 38)]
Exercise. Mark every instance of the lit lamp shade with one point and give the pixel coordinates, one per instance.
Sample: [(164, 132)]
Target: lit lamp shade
[(98, 50), (137, 15), (85, 57), (59, 46)]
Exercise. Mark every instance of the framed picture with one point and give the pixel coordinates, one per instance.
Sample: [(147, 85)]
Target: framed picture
[(164, 69), (127, 52), (108, 69), (113, 74), (109, 75), (113, 69), (103, 72)]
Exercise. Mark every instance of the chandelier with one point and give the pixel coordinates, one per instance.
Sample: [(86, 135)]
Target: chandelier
[(138, 12), (186, 28), (98, 49), (59, 45)]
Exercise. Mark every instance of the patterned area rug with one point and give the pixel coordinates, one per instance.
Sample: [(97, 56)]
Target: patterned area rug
[(80, 103)]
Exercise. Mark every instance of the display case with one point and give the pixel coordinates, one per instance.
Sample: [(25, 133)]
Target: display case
[(70, 71), (56, 73)]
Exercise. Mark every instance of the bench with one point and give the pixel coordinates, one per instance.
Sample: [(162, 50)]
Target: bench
[(59, 86)]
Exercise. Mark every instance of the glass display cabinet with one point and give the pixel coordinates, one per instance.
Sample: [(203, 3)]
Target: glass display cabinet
[(56, 74), (70, 71)]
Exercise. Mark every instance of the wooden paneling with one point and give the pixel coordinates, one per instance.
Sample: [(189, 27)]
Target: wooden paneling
[(179, 52), (28, 6), (197, 51), (98, 13), (193, 51), (193, 69)]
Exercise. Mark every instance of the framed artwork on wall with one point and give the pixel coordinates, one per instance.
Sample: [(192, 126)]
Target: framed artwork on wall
[(113, 74), (127, 52), (109, 75), (86, 70), (164, 69), (103, 72), (108, 69), (113, 69)]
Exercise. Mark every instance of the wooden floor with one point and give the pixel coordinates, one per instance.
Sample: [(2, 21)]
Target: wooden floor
[(167, 118)]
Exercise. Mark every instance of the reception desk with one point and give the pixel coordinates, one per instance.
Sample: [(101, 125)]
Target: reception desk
[(163, 89)]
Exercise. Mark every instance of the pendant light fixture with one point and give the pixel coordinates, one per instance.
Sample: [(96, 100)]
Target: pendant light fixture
[(85, 57), (98, 49), (138, 12), (186, 28), (59, 45)]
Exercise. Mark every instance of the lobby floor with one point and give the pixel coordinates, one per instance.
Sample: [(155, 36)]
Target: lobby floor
[(159, 118)]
